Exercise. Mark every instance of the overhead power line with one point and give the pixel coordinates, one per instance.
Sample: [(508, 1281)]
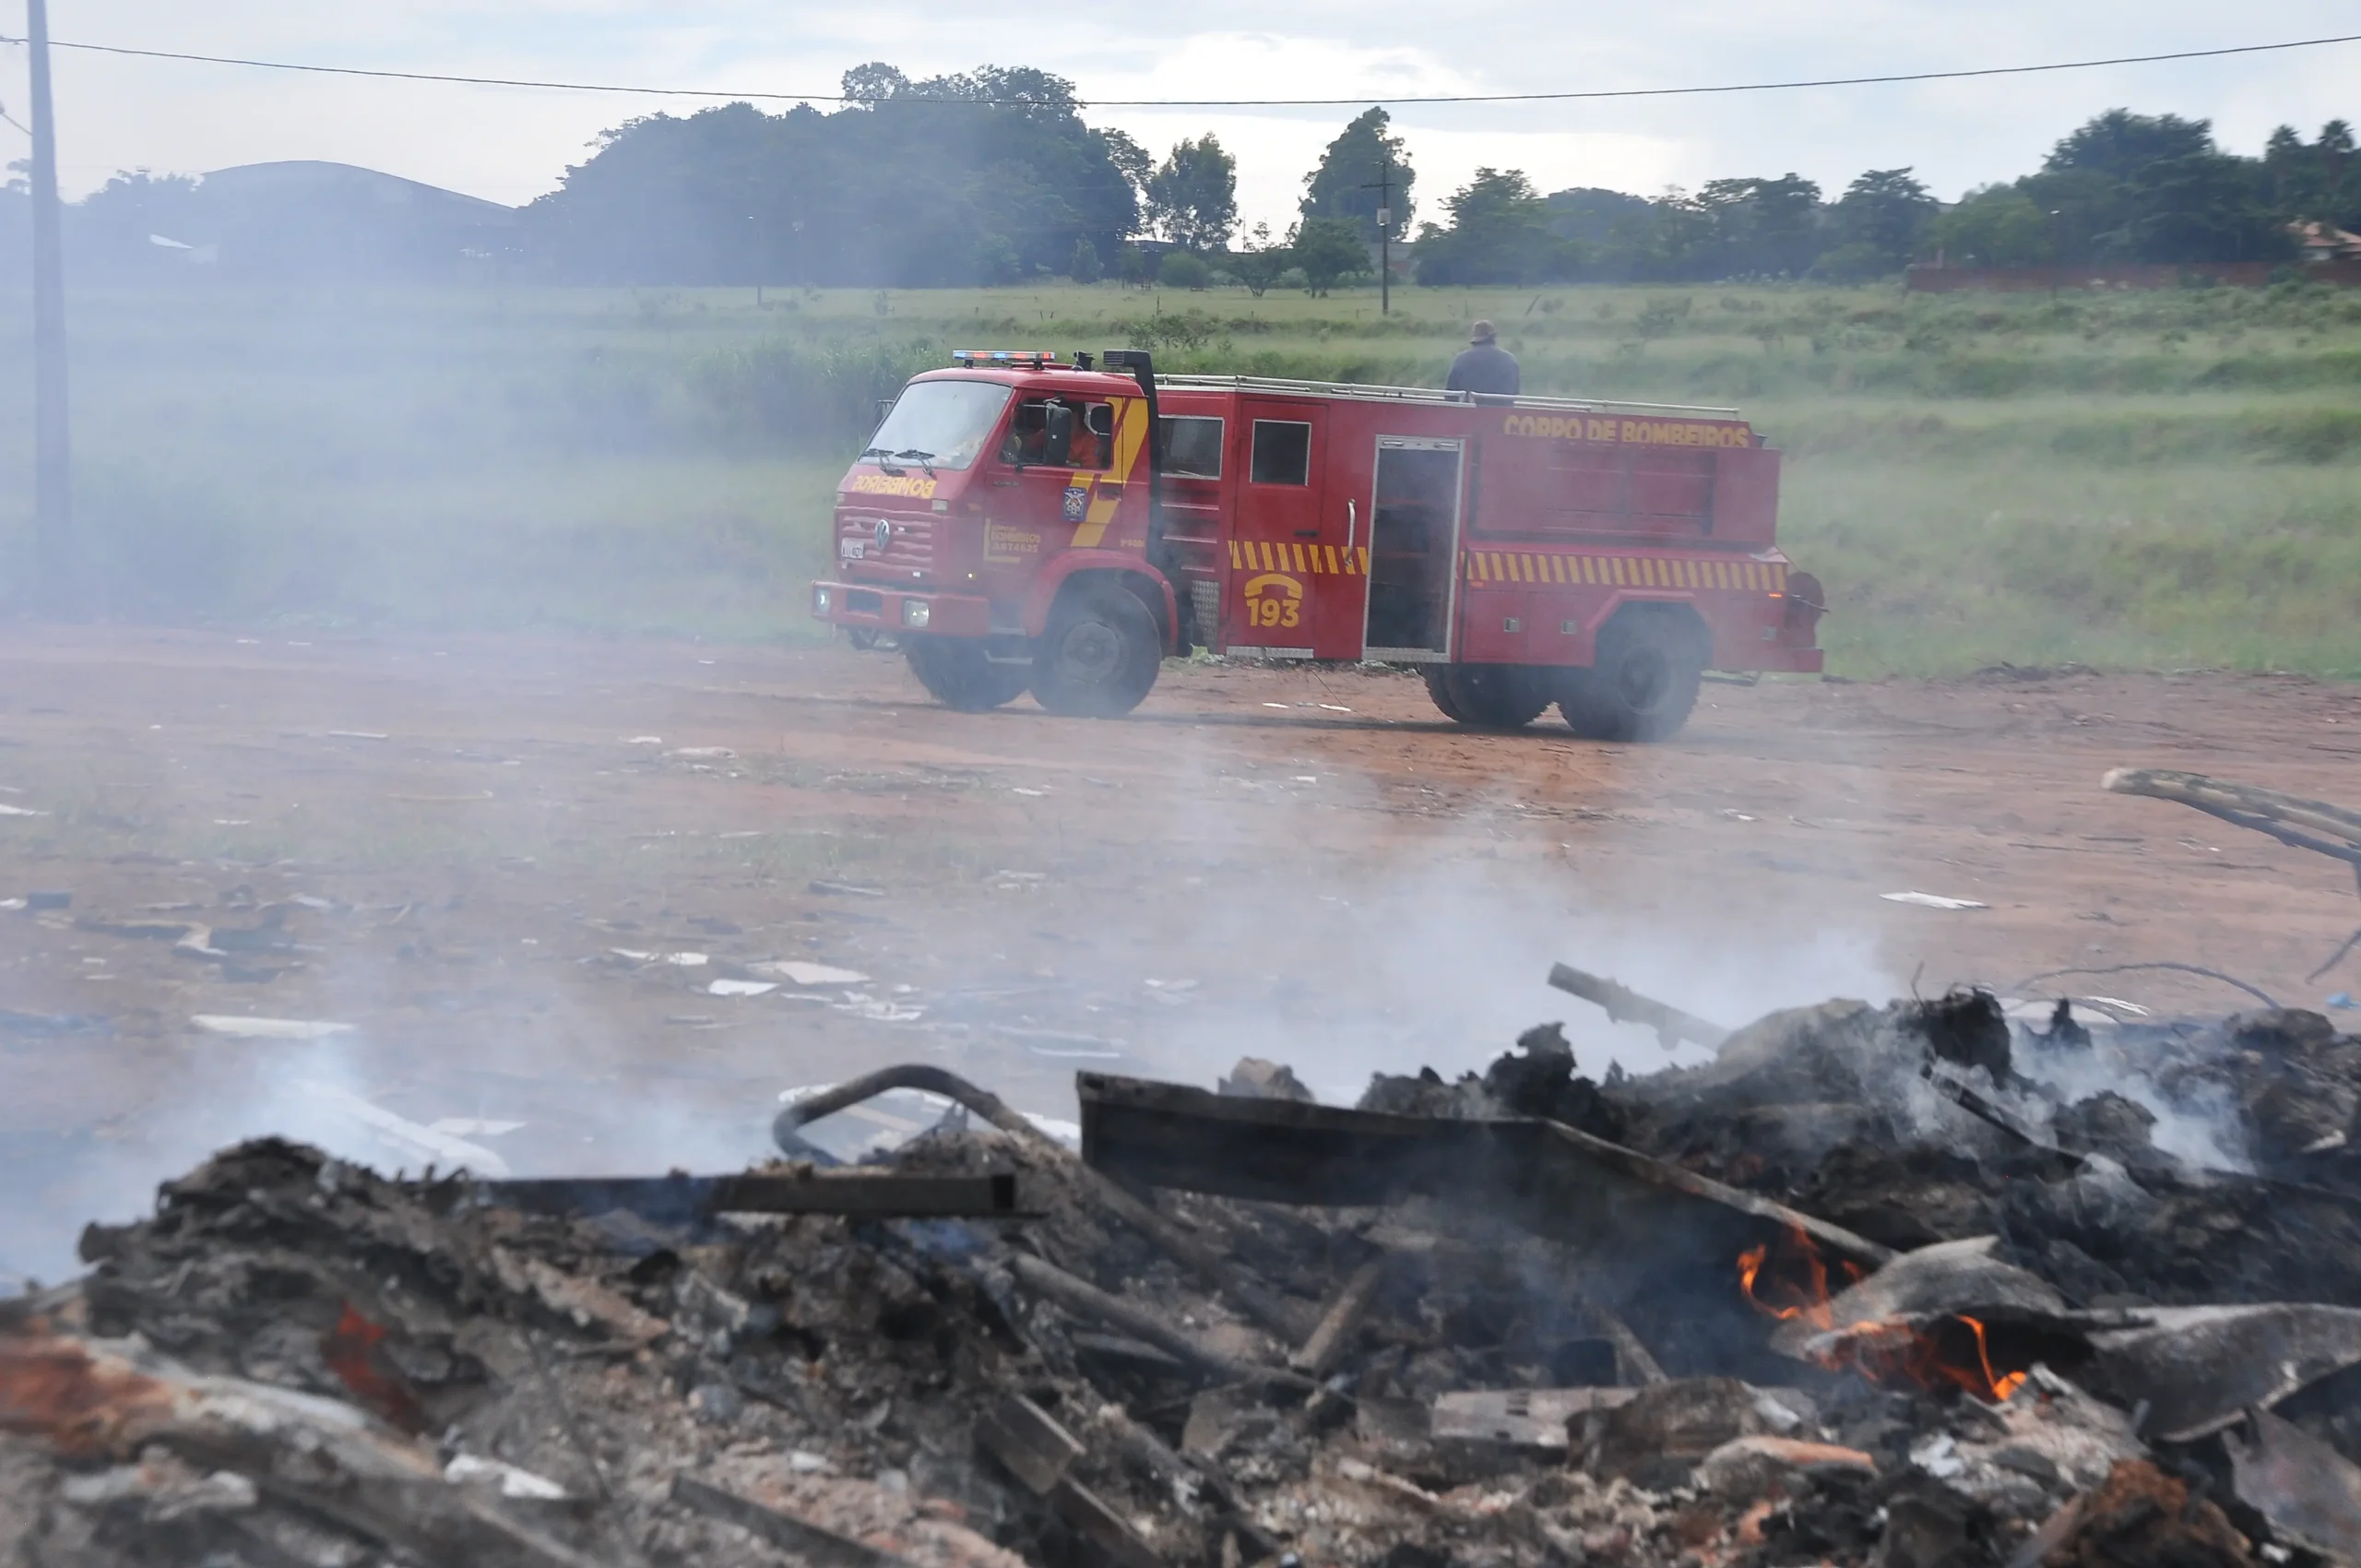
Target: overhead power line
[(1569, 96)]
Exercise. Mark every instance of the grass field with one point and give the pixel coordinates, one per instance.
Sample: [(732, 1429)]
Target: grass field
[(2159, 480)]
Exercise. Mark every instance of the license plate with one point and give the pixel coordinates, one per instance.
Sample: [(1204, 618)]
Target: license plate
[(853, 548)]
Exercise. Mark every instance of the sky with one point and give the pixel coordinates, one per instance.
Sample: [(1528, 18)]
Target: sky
[(511, 145)]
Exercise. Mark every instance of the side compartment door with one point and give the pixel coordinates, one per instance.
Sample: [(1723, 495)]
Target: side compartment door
[(1280, 595), (1414, 523)]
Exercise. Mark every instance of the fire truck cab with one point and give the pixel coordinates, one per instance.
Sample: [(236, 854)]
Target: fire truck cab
[(1023, 523)]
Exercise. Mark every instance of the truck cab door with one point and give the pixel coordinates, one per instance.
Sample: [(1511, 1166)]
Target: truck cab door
[(1043, 488), (1285, 591)]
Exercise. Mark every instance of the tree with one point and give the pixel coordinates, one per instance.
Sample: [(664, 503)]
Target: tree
[(2317, 183), (1339, 190), (1762, 226), (1327, 249), (1193, 197), (1131, 267), (2155, 188), (1878, 225), (1499, 233), (1134, 161), (1261, 260), (1085, 267), (1182, 269), (1999, 226), (900, 189), (2120, 143)]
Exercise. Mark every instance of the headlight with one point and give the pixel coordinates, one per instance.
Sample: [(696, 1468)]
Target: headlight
[(820, 598), (916, 612)]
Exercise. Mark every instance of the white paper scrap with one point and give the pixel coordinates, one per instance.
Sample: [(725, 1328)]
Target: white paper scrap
[(1932, 901), (268, 1028), (797, 972)]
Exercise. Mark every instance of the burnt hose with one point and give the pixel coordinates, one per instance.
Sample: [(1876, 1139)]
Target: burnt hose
[(786, 1128)]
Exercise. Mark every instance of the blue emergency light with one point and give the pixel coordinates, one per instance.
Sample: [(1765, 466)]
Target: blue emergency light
[(1014, 358)]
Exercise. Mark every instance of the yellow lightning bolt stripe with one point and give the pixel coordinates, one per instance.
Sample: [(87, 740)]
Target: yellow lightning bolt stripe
[(1131, 440)]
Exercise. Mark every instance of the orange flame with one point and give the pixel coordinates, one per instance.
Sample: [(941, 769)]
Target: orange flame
[(1789, 1281)]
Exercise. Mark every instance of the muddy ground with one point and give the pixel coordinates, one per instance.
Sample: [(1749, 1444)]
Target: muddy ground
[(485, 856)]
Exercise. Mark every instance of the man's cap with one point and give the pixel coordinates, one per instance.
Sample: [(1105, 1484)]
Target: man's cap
[(1481, 333)]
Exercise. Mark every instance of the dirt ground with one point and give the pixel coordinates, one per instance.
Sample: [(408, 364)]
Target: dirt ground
[(516, 869)]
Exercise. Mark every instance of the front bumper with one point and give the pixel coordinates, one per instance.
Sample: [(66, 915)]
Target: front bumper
[(894, 610)]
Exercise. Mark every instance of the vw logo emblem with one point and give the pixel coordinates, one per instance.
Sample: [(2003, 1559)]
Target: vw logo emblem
[(884, 534)]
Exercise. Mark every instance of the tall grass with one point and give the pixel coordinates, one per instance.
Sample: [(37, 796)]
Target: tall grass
[(2164, 479)]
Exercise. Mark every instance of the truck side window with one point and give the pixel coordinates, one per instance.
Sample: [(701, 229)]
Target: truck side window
[(1192, 446), (1028, 437), (1282, 453)]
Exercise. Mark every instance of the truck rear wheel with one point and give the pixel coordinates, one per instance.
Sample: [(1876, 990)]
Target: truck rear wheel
[(1488, 697), (1642, 685), (955, 673), (1098, 655)]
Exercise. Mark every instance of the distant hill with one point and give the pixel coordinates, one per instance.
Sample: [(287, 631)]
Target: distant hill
[(303, 220)]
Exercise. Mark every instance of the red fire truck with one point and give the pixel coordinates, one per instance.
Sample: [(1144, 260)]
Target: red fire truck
[(1020, 522)]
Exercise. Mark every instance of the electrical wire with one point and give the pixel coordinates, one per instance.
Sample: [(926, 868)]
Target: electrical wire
[(11, 119), (1221, 103)]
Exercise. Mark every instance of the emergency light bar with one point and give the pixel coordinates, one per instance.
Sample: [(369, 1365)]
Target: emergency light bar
[(1023, 358)]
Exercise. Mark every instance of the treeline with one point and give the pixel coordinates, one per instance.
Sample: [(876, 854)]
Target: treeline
[(992, 176), (2124, 187)]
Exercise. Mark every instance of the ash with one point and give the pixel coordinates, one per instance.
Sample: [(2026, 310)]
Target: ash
[(1901, 1286)]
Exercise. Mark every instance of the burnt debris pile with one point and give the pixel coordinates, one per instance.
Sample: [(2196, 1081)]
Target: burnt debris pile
[(1925, 1286)]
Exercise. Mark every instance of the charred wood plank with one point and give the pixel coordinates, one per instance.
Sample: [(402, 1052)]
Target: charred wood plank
[(812, 1543), (685, 1199), (1320, 1353), (1033, 1447), (1518, 1417), (1029, 1441), (1088, 1299), (1628, 1006), (1632, 1359)]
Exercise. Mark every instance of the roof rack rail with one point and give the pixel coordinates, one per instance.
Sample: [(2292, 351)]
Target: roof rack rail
[(1370, 393)]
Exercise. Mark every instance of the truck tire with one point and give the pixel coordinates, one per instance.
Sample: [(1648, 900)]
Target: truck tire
[(1097, 656), (1641, 685), (1488, 697), (1440, 689), (955, 673)]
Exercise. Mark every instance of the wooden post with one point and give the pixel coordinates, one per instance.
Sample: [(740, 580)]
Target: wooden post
[(52, 479)]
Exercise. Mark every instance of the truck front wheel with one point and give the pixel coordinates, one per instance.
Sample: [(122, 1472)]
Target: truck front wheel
[(1642, 685), (1488, 697), (955, 673), (1097, 656)]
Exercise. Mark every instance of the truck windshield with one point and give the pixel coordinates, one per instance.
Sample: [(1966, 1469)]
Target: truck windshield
[(944, 422)]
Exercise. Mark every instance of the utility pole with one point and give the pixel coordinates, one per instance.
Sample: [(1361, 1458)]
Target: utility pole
[(1384, 186), (52, 449)]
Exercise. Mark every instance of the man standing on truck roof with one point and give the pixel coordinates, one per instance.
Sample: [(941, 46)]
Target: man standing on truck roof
[(1484, 366)]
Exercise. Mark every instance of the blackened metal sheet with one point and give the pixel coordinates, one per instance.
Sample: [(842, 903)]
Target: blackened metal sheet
[(1550, 1179)]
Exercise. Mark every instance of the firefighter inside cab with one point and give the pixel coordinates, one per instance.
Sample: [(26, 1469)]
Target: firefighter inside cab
[(1024, 523)]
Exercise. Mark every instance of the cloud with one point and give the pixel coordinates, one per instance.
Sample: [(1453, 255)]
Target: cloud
[(513, 144)]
